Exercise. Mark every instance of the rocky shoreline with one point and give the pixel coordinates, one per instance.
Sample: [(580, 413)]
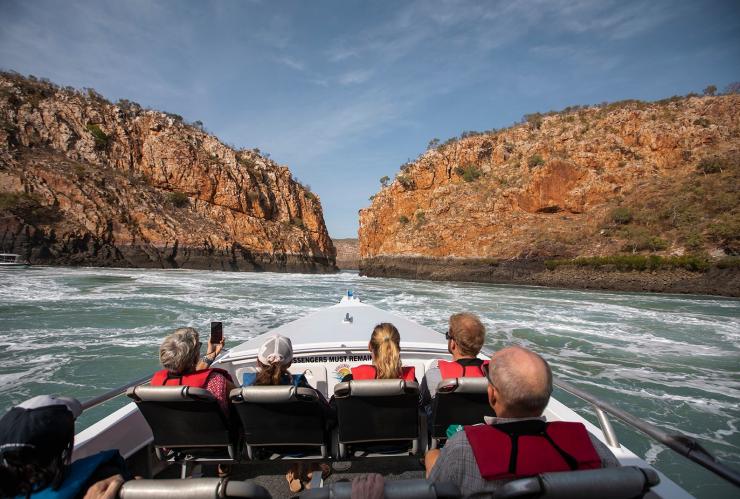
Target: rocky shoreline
[(715, 281)]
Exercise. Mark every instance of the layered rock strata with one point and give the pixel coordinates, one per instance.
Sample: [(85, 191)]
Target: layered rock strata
[(86, 182), (628, 178)]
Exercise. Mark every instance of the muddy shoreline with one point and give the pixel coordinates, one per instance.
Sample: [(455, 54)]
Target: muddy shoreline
[(715, 281)]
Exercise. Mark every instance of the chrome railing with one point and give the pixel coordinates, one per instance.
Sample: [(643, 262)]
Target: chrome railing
[(104, 397), (682, 444)]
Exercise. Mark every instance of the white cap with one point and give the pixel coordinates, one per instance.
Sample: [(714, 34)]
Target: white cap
[(276, 350), (39, 401)]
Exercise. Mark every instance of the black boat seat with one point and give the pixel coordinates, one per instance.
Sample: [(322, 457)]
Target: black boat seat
[(607, 483), (195, 488), (285, 417), (396, 489), (381, 411), (187, 424), (462, 401)]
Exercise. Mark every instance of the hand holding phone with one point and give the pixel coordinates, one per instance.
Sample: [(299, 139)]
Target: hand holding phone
[(216, 341)]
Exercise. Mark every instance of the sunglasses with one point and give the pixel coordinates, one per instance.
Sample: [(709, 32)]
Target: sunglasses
[(486, 370), (448, 335)]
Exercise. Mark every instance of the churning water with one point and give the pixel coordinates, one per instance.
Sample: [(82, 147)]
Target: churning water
[(672, 360)]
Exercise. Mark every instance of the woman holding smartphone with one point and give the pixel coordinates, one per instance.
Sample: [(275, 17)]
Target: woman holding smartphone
[(180, 357)]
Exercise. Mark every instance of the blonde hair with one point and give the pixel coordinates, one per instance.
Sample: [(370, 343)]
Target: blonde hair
[(179, 351), (385, 344)]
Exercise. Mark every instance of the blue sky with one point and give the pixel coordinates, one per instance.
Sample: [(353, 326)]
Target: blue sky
[(344, 92)]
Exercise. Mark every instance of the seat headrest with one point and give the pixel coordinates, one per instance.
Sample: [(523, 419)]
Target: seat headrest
[(375, 388), (147, 393), (195, 488), (607, 483), (273, 394), (463, 385), (396, 489)]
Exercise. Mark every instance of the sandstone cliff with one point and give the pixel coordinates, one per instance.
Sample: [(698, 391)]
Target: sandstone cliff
[(83, 181), (617, 179), (348, 253)]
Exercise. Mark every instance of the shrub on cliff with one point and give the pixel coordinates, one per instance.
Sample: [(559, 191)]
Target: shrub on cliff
[(403, 219), (535, 160), (102, 139), (694, 263), (405, 181), (178, 199), (385, 180), (29, 207), (621, 216), (469, 173), (710, 165)]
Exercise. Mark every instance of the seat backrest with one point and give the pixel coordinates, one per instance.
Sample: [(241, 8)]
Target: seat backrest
[(607, 483), (181, 416), (462, 401), (396, 489), (195, 488), (377, 410), (279, 415)]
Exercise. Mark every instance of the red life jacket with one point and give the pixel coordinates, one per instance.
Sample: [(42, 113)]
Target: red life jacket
[(197, 379), (527, 448), (457, 370), (367, 371)]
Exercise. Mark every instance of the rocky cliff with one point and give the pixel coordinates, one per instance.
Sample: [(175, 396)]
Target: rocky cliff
[(624, 179), (87, 182), (348, 253)]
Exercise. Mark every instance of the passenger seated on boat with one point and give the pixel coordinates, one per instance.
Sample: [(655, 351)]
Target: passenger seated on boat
[(465, 337), (179, 354), (36, 441), (518, 442), (274, 357), (385, 350)]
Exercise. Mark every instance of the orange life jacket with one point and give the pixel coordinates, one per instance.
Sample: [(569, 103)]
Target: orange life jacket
[(457, 370), (197, 379), (527, 448), (367, 371)]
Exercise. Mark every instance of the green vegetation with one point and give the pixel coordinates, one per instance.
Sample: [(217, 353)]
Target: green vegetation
[(29, 207), (403, 219), (421, 218), (385, 180), (702, 122), (535, 161), (710, 165), (178, 199), (469, 173), (102, 139), (297, 222), (621, 216), (710, 90), (694, 263), (730, 262), (405, 181)]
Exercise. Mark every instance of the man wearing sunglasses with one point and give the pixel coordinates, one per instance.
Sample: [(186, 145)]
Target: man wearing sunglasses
[(465, 337), (518, 442)]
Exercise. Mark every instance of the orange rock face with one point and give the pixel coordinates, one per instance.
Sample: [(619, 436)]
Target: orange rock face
[(130, 187), (547, 187)]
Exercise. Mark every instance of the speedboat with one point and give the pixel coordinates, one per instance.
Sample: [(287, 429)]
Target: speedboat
[(11, 260), (327, 344)]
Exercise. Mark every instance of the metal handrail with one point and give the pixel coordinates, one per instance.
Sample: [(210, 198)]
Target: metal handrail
[(115, 392), (682, 444)]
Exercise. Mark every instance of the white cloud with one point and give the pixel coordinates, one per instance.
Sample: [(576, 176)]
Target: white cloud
[(355, 76), (292, 63)]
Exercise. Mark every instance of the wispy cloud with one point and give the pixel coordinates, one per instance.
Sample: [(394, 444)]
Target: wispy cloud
[(355, 76), (292, 63)]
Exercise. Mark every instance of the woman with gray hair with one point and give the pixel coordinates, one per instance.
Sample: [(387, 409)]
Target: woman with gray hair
[(180, 357)]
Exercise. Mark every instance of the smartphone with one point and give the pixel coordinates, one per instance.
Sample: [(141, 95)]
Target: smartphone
[(217, 332)]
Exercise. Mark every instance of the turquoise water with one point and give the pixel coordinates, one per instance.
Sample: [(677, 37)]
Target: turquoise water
[(672, 360)]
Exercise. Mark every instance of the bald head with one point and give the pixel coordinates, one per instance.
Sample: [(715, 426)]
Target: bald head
[(522, 381)]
